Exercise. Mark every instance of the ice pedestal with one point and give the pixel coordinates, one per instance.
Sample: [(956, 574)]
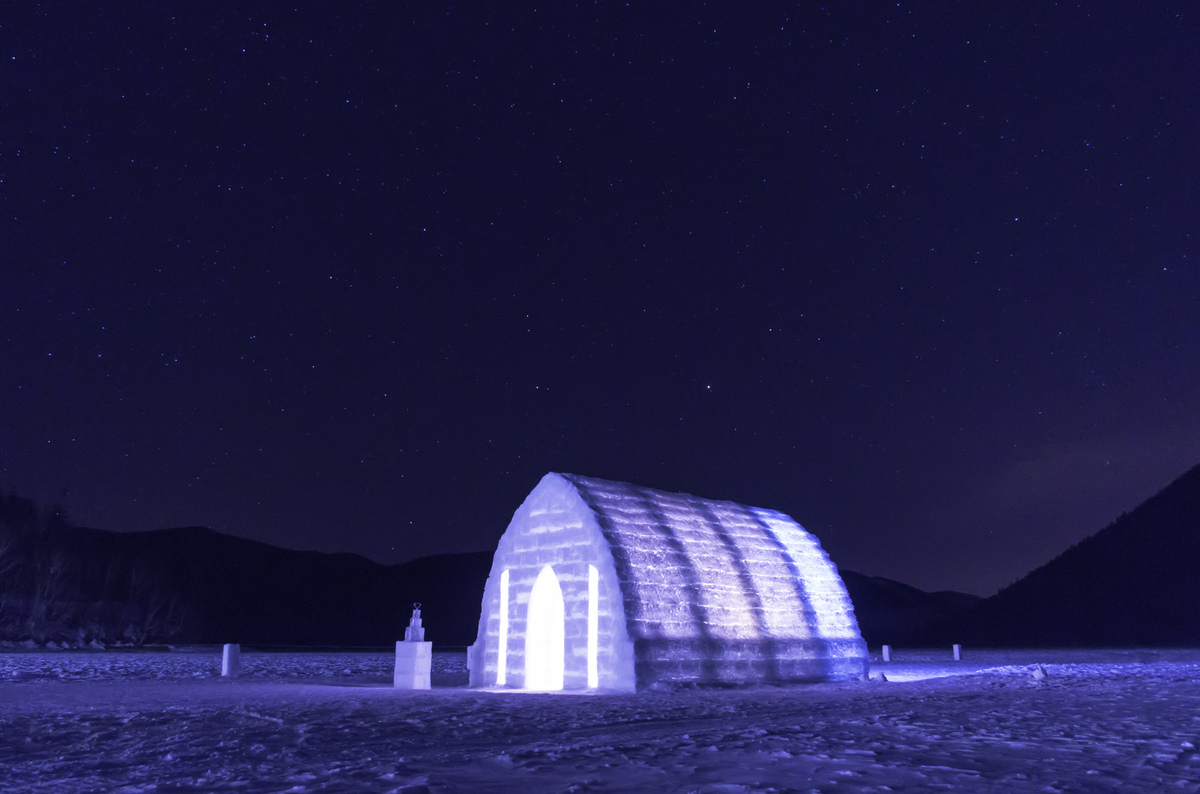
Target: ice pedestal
[(414, 656), (231, 663), (413, 662)]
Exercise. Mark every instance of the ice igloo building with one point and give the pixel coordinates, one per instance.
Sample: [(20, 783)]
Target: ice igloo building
[(611, 585)]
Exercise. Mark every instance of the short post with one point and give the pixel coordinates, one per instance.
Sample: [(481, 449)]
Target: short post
[(231, 662), (958, 653), (414, 656), (887, 653)]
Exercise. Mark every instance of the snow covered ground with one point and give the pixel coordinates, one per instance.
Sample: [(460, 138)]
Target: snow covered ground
[(165, 721)]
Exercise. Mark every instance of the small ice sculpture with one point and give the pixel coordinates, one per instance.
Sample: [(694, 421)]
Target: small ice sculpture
[(600, 584), (414, 656), (415, 632)]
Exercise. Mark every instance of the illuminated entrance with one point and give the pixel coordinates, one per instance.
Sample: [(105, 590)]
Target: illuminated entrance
[(544, 634)]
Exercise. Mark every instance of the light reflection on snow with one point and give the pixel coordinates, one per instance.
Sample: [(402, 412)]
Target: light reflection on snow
[(1102, 720)]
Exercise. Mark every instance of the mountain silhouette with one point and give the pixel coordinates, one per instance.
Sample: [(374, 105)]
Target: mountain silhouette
[(893, 613), (1134, 583), (194, 585)]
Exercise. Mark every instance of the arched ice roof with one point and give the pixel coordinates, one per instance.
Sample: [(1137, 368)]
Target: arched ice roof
[(698, 569)]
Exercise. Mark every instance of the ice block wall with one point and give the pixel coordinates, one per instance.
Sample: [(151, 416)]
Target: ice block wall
[(721, 592)]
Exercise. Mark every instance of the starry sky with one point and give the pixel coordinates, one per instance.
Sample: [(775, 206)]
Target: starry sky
[(353, 277)]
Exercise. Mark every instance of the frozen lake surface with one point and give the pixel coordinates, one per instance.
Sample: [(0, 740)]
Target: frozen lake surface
[(165, 721)]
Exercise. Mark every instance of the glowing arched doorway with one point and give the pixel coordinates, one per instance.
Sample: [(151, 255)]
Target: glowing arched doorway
[(544, 640)]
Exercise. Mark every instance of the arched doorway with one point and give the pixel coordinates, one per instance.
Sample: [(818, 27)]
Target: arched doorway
[(544, 633)]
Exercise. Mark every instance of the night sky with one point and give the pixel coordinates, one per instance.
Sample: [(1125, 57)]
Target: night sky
[(353, 278)]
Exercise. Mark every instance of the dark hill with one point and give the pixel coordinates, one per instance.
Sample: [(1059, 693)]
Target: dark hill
[(1134, 583), (267, 595), (238, 590), (194, 585), (893, 613)]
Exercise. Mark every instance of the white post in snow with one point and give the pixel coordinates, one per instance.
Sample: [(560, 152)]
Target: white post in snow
[(231, 663), (414, 656), (958, 653), (887, 653)]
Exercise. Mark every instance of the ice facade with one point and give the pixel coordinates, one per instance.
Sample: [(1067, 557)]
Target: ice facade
[(628, 586), (554, 528)]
